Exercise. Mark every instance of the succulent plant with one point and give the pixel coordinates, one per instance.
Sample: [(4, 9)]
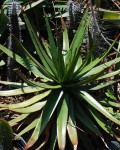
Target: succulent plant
[(63, 98), (6, 135)]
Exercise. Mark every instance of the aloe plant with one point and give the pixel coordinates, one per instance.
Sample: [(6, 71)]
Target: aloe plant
[(62, 100)]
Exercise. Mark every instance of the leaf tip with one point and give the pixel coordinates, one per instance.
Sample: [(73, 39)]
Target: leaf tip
[(75, 147)]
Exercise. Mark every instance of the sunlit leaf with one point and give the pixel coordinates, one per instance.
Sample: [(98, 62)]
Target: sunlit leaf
[(71, 126), (32, 4), (65, 40), (111, 15), (26, 103), (45, 116), (35, 107), (103, 85), (14, 84), (41, 53), (24, 62), (24, 90), (98, 106), (27, 128), (100, 120), (17, 119), (62, 122)]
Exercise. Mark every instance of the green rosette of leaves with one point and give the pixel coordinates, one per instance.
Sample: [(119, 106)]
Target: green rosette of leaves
[(62, 106)]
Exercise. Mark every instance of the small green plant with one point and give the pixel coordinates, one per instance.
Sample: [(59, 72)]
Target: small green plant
[(6, 135), (62, 100)]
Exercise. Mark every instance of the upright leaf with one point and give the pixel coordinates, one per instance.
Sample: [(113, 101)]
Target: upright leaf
[(53, 48), (45, 116), (65, 40), (62, 122), (71, 126), (41, 53), (94, 63), (73, 54)]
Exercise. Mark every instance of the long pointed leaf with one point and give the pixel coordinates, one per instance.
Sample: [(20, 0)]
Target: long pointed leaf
[(100, 120), (102, 67), (71, 126), (32, 4), (45, 116), (30, 109), (79, 63), (85, 81), (110, 103), (26, 103), (14, 84), (108, 75), (73, 54), (103, 85), (18, 119), (86, 61), (94, 63), (25, 62), (61, 65), (77, 41), (62, 122), (47, 85), (28, 128), (53, 48), (98, 106), (43, 56), (24, 90), (65, 40), (86, 120), (35, 134), (46, 46), (25, 54)]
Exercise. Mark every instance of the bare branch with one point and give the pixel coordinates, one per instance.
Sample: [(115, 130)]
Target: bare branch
[(98, 28)]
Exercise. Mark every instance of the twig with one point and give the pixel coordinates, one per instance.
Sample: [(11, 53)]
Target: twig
[(116, 4), (96, 24)]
